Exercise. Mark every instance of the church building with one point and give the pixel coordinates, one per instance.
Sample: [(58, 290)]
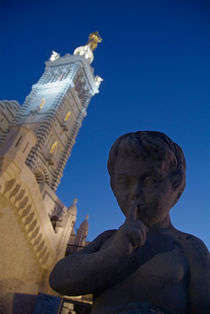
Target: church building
[(35, 144)]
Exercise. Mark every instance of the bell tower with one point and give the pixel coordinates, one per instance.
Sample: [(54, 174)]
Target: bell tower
[(55, 108)]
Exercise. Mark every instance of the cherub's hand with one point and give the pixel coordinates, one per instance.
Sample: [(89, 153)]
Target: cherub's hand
[(131, 235)]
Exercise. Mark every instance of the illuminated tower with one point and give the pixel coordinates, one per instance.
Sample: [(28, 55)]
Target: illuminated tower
[(35, 143), (55, 108)]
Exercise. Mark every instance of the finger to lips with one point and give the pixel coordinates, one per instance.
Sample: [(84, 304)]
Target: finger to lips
[(138, 238), (143, 230), (132, 213)]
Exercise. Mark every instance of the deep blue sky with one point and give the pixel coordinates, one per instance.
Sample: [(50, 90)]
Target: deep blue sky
[(154, 60)]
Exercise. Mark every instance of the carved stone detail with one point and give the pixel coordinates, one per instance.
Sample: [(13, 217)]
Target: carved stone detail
[(22, 202)]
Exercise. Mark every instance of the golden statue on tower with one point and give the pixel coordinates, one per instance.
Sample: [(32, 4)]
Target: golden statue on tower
[(87, 50), (93, 40)]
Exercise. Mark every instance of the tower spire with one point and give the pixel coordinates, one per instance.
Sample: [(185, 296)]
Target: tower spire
[(55, 108), (87, 50)]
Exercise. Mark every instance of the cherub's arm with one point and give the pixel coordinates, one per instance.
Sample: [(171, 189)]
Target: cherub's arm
[(199, 289), (89, 269), (102, 263)]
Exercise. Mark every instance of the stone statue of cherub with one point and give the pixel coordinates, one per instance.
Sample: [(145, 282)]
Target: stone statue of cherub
[(146, 266)]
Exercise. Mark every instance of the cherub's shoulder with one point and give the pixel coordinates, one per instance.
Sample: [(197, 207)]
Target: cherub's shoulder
[(193, 247), (104, 236), (99, 241)]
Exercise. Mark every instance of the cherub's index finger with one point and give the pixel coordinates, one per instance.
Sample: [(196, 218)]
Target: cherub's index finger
[(132, 213)]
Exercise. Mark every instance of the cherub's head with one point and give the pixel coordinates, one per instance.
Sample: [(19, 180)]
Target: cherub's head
[(147, 168)]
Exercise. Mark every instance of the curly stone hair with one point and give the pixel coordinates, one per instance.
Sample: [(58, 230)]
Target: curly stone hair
[(154, 145)]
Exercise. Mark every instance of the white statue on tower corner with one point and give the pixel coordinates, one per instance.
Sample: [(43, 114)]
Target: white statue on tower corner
[(55, 55), (98, 80)]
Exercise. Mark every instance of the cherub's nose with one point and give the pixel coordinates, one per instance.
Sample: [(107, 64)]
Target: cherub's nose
[(137, 192)]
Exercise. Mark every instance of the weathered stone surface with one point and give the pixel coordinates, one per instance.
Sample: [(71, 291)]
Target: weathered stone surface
[(146, 266)]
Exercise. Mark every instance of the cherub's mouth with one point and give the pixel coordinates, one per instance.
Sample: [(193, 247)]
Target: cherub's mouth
[(141, 209), (140, 206), (143, 213)]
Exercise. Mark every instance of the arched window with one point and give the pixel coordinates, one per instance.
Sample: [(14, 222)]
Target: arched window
[(54, 78), (53, 147), (42, 103), (67, 116), (66, 74), (61, 76), (54, 220)]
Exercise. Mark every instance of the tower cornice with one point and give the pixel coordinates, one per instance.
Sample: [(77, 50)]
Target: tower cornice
[(81, 61)]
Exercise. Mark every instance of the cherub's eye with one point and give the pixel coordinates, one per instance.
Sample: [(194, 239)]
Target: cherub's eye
[(151, 180), (123, 180)]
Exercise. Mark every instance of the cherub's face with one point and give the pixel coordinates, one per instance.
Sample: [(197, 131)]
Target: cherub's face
[(144, 183)]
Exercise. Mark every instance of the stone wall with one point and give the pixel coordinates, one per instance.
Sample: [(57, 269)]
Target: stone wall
[(29, 246), (19, 269)]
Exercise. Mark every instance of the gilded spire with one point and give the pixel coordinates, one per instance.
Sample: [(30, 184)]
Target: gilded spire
[(87, 50), (93, 40)]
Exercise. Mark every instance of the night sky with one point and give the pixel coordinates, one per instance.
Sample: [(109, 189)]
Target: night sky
[(154, 59)]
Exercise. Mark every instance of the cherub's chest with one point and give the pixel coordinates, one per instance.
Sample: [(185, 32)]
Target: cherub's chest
[(156, 274), (159, 269)]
